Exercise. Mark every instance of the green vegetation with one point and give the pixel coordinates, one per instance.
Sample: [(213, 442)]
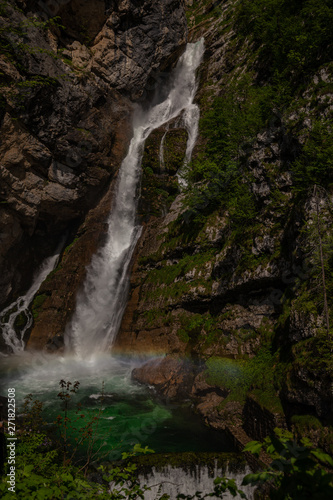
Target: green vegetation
[(306, 423), (200, 327), (241, 377), (229, 127), (21, 321), (13, 50), (315, 354), (168, 273), (284, 87), (157, 193), (37, 304), (202, 11), (297, 470), (70, 246), (293, 38), (315, 163), (155, 315), (159, 185), (291, 42)]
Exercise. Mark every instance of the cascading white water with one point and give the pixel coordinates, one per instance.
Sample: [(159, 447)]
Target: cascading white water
[(191, 117), (100, 307), (101, 303), (175, 480), (20, 307), (161, 152)]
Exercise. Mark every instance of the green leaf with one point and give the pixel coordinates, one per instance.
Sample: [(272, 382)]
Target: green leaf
[(323, 457), (28, 469), (253, 447), (257, 478)]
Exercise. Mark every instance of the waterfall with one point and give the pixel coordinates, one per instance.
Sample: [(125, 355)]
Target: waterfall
[(187, 480), (101, 303), (19, 309), (161, 152), (191, 122)]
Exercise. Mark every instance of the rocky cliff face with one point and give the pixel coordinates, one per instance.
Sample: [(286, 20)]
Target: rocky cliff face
[(209, 286), (225, 273), (183, 269), (65, 120)]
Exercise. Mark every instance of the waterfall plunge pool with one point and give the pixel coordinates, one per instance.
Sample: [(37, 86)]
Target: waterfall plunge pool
[(128, 413)]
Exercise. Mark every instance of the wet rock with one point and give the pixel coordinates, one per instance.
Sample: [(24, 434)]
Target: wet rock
[(207, 408), (172, 377), (62, 285)]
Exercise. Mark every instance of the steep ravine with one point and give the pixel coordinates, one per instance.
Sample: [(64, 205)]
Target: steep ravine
[(225, 286)]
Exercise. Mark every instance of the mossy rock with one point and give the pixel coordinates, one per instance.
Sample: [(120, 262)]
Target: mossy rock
[(306, 423), (268, 399), (37, 304), (174, 151), (20, 321), (233, 462)]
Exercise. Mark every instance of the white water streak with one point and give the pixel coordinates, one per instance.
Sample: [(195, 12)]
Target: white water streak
[(20, 306), (190, 117), (188, 480), (101, 303), (161, 152)]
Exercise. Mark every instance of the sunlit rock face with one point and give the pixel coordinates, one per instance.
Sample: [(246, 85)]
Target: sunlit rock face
[(128, 40), (63, 142)]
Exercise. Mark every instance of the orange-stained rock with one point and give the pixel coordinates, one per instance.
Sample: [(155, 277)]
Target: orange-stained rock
[(172, 377)]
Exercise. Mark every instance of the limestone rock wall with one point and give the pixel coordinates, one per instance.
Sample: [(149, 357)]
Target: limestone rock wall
[(63, 139)]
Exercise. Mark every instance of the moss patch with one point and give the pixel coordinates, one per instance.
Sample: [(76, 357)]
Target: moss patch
[(37, 304)]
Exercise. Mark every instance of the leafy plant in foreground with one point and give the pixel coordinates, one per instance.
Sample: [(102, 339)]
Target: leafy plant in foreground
[(297, 471)]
